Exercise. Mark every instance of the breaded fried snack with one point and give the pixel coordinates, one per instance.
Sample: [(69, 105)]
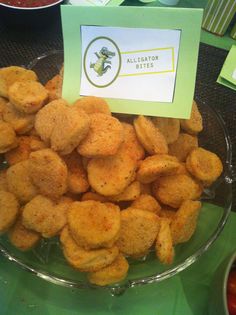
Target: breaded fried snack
[(194, 124), (113, 273), (48, 172), (130, 193), (45, 216), (184, 224), (155, 166), (70, 129), (54, 87), (204, 165), (86, 260), (46, 118), (20, 122), (26, 144), (93, 196), (183, 146), (164, 244), (104, 137), (169, 127), (93, 224), (8, 139), (9, 209), (131, 144), (138, 231), (150, 136), (175, 189), (167, 212), (19, 182), (3, 180), (10, 75), (22, 238), (77, 176), (28, 96), (3, 102), (146, 202), (93, 105)]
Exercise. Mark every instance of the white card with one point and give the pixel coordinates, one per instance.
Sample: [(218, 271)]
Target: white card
[(129, 63), (89, 2)]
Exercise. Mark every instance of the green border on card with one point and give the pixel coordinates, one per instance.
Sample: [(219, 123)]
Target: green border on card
[(186, 20)]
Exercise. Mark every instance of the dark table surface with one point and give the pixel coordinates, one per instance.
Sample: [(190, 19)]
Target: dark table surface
[(18, 46)]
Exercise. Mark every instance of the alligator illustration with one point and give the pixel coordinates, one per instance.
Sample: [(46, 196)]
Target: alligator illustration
[(103, 58)]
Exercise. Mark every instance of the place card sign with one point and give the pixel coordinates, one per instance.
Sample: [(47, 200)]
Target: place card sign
[(142, 60)]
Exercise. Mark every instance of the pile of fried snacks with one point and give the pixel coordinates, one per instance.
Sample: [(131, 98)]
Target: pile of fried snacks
[(110, 187)]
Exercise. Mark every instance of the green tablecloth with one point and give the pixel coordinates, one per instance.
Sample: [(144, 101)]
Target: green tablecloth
[(185, 294)]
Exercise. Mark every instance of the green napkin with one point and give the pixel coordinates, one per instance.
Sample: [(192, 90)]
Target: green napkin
[(227, 75), (185, 294)]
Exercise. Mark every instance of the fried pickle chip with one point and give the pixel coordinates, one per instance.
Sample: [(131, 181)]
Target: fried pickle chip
[(104, 137), (54, 87), (93, 224), (184, 224), (150, 136), (3, 180), (93, 105), (175, 189), (138, 231), (113, 273), (19, 182), (21, 122), (183, 146), (169, 127), (3, 103), (45, 216), (22, 238), (77, 176), (167, 212), (10, 75), (28, 96), (130, 193), (93, 196), (204, 165), (164, 244), (155, 166), (9, 210), (86, 260), (8, 139), (26, 144), (194, 124), (45, 119), (146, 202), (48, 172), (71, 127)]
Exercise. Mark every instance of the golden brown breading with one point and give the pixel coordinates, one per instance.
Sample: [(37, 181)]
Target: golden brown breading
[(169, 127), (8, 138), (93, 105), (19, 182), (113, 273), (45, 216), (155, 166), (150, 136), (184, 224), (183, 146), (22, 238), (175, 189), (204, 165), (130, 193), (146, 202), (94, 224), (93, 196), (164, 244), (86, 260), (54, 87), (28, 96), (104, 137), (10, 75), (48, 172), (194, 124), (3, 180), (9, 210), (167, 212), (3, 103), (138, 231), (21, 122), (77, 176), (45, 119)]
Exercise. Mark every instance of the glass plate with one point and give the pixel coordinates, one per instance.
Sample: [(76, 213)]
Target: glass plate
[(47, 261)]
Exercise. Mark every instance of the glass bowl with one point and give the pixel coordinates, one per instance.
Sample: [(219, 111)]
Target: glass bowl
[(47, 261)]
